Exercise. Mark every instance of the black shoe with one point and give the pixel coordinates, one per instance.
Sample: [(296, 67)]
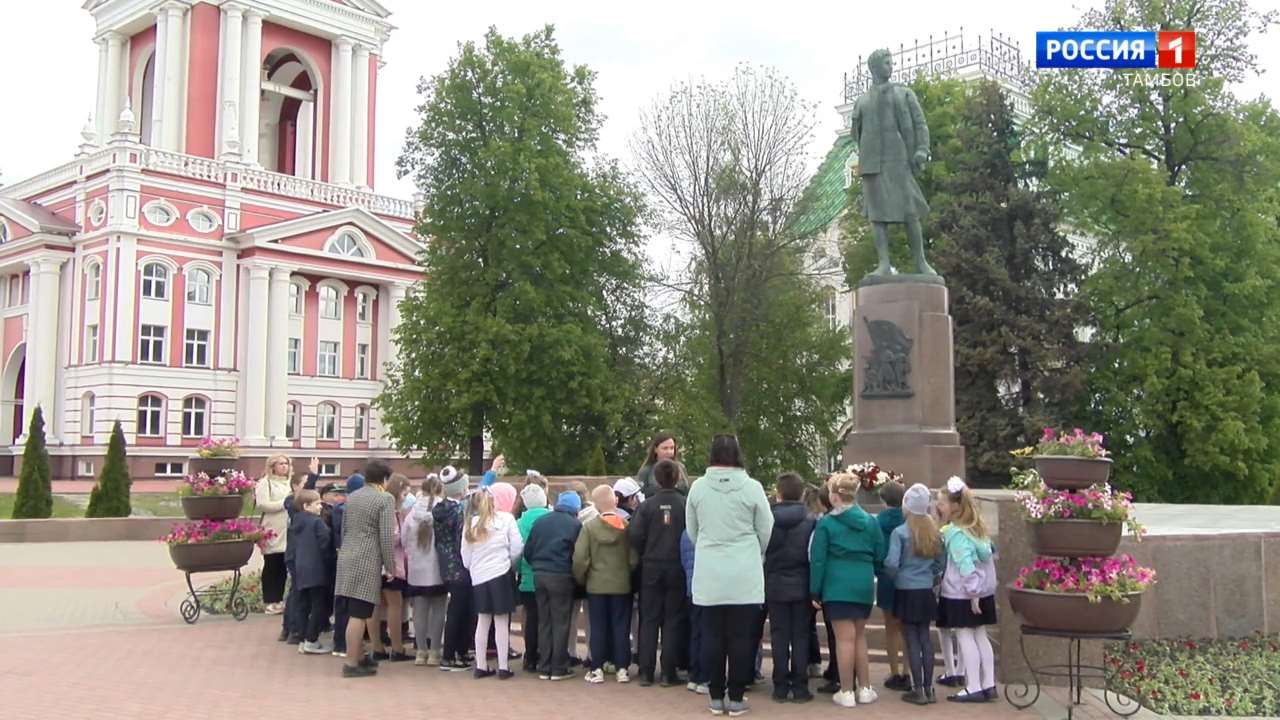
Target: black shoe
[(532, 670), (951, 680), (368, 661), (357, 671), (380, 655), (667, 682), (964, 696), (481, 674), (800, 697), (646, 680), (931, 695), (991, 694), (898, 682), (779, 695), (454, 666), (916, 697), (831, 688), (558, 675), (574, 661), (399, 657), (284, 635), (505, 674)]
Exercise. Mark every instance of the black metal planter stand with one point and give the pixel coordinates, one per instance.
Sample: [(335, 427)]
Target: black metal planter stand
[(192, 606), (1074, 671)]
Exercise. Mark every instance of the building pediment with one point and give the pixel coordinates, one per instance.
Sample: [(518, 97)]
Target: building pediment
[(354, 233), (27, 218)]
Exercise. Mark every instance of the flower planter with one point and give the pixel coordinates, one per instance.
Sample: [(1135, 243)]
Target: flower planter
[(1065, 472), (206, 557), (213, 507), (1075, 538), (1073, 613), (213, 467)]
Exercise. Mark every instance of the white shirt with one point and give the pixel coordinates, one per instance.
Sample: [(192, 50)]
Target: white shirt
[(492, 557)]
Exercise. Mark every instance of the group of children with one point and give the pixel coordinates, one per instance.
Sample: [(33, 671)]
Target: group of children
[(466, 558)]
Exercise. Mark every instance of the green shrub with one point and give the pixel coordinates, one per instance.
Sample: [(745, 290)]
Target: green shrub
[(595, 464), (1231, 677), (250, 589), (35, 489), (110, 497)]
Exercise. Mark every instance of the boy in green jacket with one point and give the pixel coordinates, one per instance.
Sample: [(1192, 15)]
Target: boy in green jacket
[(603, 561)]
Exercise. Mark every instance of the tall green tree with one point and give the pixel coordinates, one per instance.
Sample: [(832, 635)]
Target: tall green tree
[(525, 308), (725, 165), (35, 488), (1178, 182), (110, 496)]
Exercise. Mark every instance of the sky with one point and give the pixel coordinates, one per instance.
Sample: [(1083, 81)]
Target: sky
[(638, 50)]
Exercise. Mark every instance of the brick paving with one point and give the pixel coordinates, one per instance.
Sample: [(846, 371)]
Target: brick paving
[(91, 630)]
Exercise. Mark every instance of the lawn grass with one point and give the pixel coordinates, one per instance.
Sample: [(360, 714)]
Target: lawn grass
[(62, 508)]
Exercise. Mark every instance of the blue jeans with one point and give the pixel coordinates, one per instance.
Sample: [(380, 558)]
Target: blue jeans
[(697, 668), (610, 630)]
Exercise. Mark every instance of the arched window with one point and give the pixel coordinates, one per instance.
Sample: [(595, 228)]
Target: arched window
[(296, 293), (330, 303), (161, 213), (150, 416), (86, 414), (199, 287), (364, 307), (289, 116), (345, 244), (155, 281), (362, 422), (293, 421), (202, 220), (195, 412), (326, 421), (4, 232), (92, 280), (831, 308)]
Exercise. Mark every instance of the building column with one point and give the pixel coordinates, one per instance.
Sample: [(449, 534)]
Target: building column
[(254, 372), (113, 92), (340, 123), (250, 85), (100, 105), (42, 344), (229, 75), (360, 118), (174, 72), (277, 343)]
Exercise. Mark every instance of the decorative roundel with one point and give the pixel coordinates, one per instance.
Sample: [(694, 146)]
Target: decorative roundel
[(202, 220), (97, 213)]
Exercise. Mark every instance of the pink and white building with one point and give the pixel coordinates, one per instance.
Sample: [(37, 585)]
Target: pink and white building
[(215, 260)]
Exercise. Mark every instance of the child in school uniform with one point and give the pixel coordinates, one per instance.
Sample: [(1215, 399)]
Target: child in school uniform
[(311, 548), (490, 544), (847, 550), (655, 532), (447, 518), (603, 561), (915, 563), (549, 555), (890, 519), (426, 589), (533, 505), (786, 590), (968, 603)]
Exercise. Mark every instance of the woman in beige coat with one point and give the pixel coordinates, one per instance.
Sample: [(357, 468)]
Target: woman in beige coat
[(269, 496)]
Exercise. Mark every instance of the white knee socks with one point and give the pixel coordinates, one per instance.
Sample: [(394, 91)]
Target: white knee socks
[(950, 663), (978, 659), (482, 641), (502, 638)]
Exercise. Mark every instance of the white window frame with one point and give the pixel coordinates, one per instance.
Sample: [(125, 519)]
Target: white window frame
[(92, 280), (325, 305), (297, 299), (153, 344), (203, 212), (171, 469), (330, 469), (152, 206), (97, 212), (364, 307), (199, 292), (87, 413), (349, 243), (190, 411), (363, 354), (333, 421), (362, 423), (143, 428), (150, 284), (320, 359), (5, 233), (192, 345), (293, 421), (91, 343), (294, 360)]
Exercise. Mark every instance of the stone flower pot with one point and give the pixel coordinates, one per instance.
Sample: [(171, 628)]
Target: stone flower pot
[(1065, 472), (205, 557), (1073, 613), (213, 467), (213, 507), (1075, 538)]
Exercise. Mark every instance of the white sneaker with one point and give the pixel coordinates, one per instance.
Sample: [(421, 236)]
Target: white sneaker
[(315, 648), (703, 689), (433, 658), (420, 658), (815, 670), (845, 698), (866, 696), (623, 676), (595, 677)]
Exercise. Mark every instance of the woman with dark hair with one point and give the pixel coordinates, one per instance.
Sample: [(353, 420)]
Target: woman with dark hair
[(729, 522), (662, 447)]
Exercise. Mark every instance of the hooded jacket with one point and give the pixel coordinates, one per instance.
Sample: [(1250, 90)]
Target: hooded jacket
[(525, 525), (971, 569), (602, 557), (729, 521), (848, 550), (423, 563), (447, 518), (656, 528), (551, 542), (311, 550), (786, 561)]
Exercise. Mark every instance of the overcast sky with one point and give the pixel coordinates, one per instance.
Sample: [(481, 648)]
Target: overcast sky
[(638, 50)]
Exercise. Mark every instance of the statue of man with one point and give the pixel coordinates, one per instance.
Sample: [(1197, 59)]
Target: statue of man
[(893, 142)]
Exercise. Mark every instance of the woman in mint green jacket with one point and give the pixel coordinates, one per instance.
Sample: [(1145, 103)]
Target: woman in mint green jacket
[(729, 522), (846, 552)]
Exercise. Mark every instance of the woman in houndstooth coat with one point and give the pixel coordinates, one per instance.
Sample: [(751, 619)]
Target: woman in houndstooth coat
[(368, 542)]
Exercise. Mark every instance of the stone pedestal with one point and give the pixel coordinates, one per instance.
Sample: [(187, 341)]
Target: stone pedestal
[(904, 383)]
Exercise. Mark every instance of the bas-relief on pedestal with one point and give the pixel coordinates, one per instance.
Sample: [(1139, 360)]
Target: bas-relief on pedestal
[(904, 383)]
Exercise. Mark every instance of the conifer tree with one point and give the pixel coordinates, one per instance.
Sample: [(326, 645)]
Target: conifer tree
[(35, 490), (110, 497), (595, 464)]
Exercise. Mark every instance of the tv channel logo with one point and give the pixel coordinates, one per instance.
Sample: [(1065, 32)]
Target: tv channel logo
[(1088, 49)]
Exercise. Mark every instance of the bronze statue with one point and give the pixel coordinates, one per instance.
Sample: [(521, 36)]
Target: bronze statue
[(893, 143)]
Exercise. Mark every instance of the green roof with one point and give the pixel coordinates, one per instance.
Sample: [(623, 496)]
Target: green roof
[(825, 197)]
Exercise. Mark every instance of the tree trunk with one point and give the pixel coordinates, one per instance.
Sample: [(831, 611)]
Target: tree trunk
[(476, 466)]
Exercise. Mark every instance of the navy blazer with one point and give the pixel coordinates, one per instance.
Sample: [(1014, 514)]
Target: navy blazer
[(311, 545)]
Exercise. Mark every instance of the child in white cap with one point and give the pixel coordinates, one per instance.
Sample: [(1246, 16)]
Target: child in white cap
[(915, 562)]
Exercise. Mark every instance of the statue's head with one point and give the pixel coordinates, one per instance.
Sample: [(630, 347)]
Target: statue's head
[(880, 64)]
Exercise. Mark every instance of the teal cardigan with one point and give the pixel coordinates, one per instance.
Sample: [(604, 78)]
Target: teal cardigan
[(846, 552)]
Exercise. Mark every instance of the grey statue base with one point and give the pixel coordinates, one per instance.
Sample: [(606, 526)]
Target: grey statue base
[(874, 279)]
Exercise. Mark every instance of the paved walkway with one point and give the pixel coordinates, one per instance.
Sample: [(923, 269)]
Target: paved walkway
[(73, 487), (91, 630)]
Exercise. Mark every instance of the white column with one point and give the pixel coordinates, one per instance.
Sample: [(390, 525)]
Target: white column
[(250, 85), (42, 344), (229, 75), (340, 124), (126, 274), (277, 341), (254, 371), (174, 72), (113, 99), (360, 117), (101, 126)]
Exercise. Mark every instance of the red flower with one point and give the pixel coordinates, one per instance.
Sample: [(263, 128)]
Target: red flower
[(1244, 645), (1142, 666), (1191, 645), (1227, 702), (1126, 675), (1182, 673), (1195, 696)]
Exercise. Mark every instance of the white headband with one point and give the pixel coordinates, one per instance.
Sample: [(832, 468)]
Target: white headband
[(955, 485)]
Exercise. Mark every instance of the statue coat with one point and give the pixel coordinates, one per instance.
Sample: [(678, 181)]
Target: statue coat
[(889, 127)]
